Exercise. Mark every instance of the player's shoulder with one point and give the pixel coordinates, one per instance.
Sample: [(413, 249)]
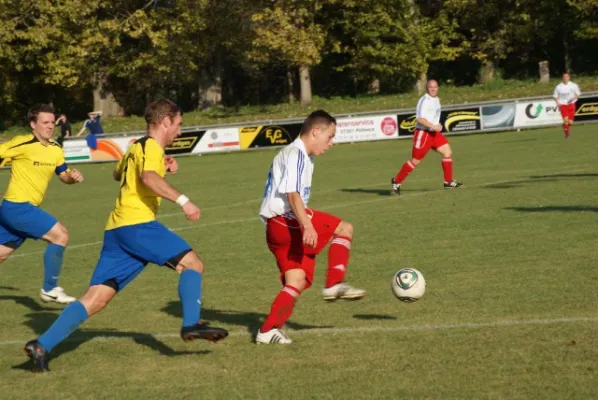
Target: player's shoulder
[(54, 143), (20, 140)]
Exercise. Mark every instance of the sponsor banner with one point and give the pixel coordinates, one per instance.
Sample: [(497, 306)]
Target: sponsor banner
[(498, 116), (268, 135), (366, 128), (586, 109), (108, 149), (406, 124), (537, 113), (461, 120), (214, 140), (185, 144)]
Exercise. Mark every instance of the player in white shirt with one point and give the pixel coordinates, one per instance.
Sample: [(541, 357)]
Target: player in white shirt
[(428, 135), (566, 94), (295, 234)]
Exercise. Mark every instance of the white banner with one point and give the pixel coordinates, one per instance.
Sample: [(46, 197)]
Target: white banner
[(214, 140), (537, 113), (113, 149), (366, 128)]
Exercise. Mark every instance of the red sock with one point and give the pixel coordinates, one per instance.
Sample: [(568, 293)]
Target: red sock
[(566, 129), (406, 169), (338, 258), (282, 308), (447, 167)]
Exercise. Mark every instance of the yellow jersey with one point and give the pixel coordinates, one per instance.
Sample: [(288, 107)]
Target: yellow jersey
[(136, 203), (32, 166)]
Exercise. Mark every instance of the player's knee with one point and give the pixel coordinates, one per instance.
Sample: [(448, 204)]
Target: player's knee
[(345, 229), (296, 278), (190, 261), (415, 162), (60, 235)]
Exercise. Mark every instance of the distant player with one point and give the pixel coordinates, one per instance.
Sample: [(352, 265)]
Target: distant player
[(295, 234), (133, 238), (428, 136), (34, 159), (566, 94)]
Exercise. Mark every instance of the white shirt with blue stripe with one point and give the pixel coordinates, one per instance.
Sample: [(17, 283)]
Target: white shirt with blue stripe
[(291, 171), (428, 107)]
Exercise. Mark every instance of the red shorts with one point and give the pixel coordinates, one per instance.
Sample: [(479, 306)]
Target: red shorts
[(285, 240), (423, 141), (567, 111)]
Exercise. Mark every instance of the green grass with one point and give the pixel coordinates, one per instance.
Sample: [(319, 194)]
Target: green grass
[(497, 89), (510, 262)]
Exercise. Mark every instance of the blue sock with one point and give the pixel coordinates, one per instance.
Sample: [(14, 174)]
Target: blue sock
[(190, 295), (52, 265), (70, 319)]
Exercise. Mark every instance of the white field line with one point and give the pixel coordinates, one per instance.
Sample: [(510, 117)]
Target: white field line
[(354, 330), (355, 203)]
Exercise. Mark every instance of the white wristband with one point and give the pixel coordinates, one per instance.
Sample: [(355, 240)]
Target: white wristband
[(182, 200)]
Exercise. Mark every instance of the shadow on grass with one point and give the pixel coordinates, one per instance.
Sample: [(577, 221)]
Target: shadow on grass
[(252, 321), (371, 317), (379, 192), (28, 302), (564, 209), (512, 184), (8, 288), (40, 321), (584, 175)]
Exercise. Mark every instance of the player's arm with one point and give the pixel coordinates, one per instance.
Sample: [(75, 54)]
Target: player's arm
[(11, 148), (419, 117), (65, 174), (577, 94), (157, 184), (310, 236), (555, 95)]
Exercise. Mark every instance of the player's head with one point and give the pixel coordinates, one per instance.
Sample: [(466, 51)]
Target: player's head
[(41, 120), (566, 77), (432, 87), (317, 132), (164, 117)]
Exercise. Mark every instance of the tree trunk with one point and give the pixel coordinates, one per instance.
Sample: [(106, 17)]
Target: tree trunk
[(544, 71), (566, 54), (374, 86), (487, 71), (105, 102), (210, 84), (305, 83), (421, 83), (291, 86)]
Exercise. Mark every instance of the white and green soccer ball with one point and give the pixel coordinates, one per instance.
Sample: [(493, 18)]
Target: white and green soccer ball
[(408, 285)]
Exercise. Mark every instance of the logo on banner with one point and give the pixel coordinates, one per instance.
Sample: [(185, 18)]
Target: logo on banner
[(266, 136), (185, 143), (587, 109), (407, 125), (536, 113), (462, 121), (388, 126)]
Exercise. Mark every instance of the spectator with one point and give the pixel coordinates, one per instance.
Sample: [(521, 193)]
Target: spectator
[(65, 128), (95, 128)]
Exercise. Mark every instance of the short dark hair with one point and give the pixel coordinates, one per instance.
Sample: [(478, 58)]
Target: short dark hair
[(160, 109), (319, 117), (39, 108)]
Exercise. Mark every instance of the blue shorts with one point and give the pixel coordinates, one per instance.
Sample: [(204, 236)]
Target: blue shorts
[(19, 221), (128, 249)]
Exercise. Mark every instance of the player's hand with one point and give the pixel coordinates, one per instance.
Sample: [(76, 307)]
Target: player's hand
[(310, 236), (191, 211), (76, 176), (171, 164), (437, 128)]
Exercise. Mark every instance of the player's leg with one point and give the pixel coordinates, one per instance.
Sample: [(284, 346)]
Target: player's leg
[(444, 148), (57, 238), (421, 145), (191, 269), (294, 281), (338, 257), (564, 109), (10, 240)]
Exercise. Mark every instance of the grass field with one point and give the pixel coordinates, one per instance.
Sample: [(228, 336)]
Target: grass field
[(493, 90), (510, 262)]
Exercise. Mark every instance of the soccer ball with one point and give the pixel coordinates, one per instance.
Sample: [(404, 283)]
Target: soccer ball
[(408, 285)]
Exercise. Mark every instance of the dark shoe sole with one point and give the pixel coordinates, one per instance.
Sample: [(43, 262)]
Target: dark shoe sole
[(32, 358), (213, 337)]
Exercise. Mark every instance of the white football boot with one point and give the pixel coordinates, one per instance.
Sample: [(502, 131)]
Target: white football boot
[(274, 335), (343, 291), (56, 295)]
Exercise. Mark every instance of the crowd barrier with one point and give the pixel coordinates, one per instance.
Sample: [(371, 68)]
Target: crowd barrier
[(385, 125)]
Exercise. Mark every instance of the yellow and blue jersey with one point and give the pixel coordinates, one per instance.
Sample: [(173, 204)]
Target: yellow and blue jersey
[(32, 167), (136, 203)]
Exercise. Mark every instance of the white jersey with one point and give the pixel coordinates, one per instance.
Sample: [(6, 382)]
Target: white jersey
[(565, 93), (291, 171), (428, 107)]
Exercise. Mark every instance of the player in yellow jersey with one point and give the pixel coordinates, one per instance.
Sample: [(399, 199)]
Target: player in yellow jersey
[(34, 159), (133, 238)]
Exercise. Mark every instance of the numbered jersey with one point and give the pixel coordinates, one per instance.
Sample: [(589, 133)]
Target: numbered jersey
[(136, 203), (291, 172)]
